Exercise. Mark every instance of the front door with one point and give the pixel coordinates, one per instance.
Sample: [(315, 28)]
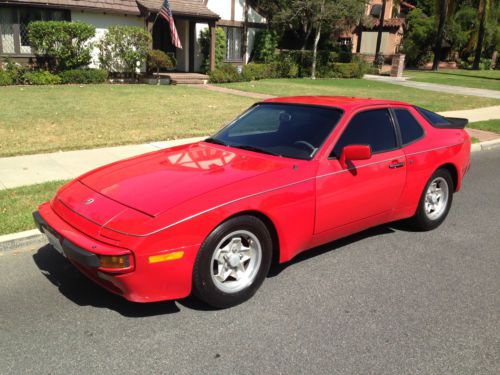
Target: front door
[(367, 187)]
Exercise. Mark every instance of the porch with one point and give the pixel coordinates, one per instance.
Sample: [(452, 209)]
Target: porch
[(189, 21)]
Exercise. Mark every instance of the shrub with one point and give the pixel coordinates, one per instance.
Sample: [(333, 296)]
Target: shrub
[(254, 72), (220, 48), (84, 76), (225, 74), (303, 60), (5, 79), (42, 77), (124, 49), (355, 69), (61, 45), (419, 39), (160, 60), (16, 71), (265, 45)]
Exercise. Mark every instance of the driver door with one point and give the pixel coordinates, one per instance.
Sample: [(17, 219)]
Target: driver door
[(366, 187)]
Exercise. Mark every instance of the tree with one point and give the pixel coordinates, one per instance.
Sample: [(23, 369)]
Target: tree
[(124, 48), (483, 10), (157, 60), (318, 17), (220, 47), (444, 9), (61, 45)]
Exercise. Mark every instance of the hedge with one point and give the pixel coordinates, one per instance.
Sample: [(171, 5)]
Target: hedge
[(41, 78), (84, 76)]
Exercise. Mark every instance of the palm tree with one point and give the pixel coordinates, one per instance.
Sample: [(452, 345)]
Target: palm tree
[(444, 11), (484, 7)]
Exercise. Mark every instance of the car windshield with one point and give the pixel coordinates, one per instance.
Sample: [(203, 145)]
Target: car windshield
[(294, 131)]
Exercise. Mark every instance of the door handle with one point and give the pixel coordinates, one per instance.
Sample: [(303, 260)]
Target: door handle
[(395, 165)]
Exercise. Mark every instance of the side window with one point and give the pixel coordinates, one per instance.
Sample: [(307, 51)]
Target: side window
[(373, 128), (409, 127)]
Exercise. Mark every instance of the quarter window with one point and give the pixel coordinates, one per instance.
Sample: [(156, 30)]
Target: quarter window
[(373, 128), (409, 127)]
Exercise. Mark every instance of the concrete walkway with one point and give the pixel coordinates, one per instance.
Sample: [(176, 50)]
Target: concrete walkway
[(34, 169), (448, 89)]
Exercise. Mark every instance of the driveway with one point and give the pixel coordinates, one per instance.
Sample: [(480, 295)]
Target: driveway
[(387, 301)]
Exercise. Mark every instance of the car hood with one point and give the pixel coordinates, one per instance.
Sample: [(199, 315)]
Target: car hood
[(155, 182)]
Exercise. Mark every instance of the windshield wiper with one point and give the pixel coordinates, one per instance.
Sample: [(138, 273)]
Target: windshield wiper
[(216, 141), (256, 149)]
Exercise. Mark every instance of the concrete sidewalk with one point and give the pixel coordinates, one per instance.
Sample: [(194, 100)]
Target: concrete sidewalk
[(34, 169), (448, 89)]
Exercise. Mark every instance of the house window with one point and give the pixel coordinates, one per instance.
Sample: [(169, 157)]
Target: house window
[(234, 37), (14, 23)]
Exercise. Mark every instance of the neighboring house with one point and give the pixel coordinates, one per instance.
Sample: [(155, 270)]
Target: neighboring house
[(364, 37), (237, 17)]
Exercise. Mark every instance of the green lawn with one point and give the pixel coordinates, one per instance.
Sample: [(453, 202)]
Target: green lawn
[(43, 119), (490, 125), (363, 88), (17, 205), (482, 79)]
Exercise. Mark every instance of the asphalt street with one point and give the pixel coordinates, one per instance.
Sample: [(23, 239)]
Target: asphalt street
[(387, 301)]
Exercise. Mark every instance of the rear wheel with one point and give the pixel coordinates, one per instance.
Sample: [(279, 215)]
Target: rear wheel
[(435, 201), (232, 262)]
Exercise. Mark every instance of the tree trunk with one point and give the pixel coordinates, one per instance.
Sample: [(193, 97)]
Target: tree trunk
[(307, 31), (480, 36), (440, 34), (158, 76), (379, 32), (315, 51)]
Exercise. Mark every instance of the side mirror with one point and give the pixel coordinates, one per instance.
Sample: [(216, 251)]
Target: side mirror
[(354, 152)]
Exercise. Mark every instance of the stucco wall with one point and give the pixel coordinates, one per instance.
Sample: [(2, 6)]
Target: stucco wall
[(221, 7), (102, 22)]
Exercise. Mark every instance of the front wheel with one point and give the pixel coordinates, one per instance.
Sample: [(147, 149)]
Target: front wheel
[(232, 262), (435, 201)]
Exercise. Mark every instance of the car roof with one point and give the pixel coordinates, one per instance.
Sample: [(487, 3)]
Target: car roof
[(342, 102)]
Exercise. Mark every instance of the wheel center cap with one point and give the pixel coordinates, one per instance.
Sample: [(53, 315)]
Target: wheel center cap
[(234, 260)]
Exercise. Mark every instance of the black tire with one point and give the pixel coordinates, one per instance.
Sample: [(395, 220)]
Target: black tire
[(205, 288), (421, 220)]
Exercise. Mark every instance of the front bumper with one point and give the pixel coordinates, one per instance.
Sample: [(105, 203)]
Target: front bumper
[(147, 282)]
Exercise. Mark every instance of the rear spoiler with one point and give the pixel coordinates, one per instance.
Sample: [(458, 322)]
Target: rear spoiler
[(454, 123)]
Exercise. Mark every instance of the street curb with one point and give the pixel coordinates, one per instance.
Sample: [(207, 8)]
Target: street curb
[(22, 240), (32, 238), (486, 145)]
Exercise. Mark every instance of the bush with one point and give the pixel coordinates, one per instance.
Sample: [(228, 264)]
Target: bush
[(124, 49), (225, 74), (84, 76), (61, 45), (160, 60), (354, 69), (42, 77), (419, 39), (16, 71), (303, 60), (220, 48), (5, 79), (265, 45)]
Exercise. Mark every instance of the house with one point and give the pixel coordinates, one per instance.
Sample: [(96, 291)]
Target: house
[(238, 18), (364, 37)]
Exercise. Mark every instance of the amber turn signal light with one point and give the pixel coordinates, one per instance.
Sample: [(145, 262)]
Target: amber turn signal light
[(114, 261)]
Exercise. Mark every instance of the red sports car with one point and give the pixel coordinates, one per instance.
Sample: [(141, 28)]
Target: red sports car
[(287, 175)]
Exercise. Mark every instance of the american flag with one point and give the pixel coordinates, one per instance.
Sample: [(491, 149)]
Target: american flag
[(166, 13)]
